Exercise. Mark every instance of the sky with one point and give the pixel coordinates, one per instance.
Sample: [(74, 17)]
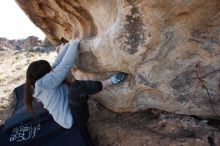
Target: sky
[(14, 22)]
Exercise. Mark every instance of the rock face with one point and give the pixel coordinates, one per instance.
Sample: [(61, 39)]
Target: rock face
[(171, 49)]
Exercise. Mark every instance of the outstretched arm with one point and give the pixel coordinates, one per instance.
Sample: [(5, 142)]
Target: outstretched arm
[(55, 77), (60, 55)]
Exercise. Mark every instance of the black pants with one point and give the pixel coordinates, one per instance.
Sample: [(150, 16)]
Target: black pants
[(78, 97)]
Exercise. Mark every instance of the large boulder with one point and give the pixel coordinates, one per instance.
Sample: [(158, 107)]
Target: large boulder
[(170, 48)]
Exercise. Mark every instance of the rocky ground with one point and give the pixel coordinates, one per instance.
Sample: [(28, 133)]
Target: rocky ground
[(146, 128), (150, 128)]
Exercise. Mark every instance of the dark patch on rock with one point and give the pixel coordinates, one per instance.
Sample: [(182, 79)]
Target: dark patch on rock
[(87, 61), (188, 134), (210, 100), (207, 71), (63, 40), (182, 81), (184, 89), (203, 36), (183, 98), (144, 81), (167, 46), (136, 119), (134, 27), (214, 123), (208, 38), (169, 42), (210, 139), (182, 85)]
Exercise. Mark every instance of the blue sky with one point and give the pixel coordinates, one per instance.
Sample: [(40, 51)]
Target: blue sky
[(14, 23)]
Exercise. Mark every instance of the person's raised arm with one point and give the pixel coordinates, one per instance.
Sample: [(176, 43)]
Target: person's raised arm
[(55, 77), (61, 54)]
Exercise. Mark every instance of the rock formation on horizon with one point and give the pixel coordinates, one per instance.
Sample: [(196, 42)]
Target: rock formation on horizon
[(19, 44), (171, 49)]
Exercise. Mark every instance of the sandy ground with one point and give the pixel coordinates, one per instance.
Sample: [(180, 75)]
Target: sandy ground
[(13, 65)]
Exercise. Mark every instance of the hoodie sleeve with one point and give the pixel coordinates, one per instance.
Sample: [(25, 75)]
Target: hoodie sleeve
[(55, 77), (60, 55)]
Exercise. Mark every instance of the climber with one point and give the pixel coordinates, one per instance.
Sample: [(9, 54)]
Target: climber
[(67, 103)]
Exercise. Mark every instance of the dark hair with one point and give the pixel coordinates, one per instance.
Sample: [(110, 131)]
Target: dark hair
[(35, 71)]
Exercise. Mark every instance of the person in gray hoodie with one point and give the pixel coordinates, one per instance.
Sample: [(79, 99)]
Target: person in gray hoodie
[(67, 103)]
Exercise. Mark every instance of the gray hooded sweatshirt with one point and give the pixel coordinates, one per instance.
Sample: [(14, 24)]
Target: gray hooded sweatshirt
[(51, 90)]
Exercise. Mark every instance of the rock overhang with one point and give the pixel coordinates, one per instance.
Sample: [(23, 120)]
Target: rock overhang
[(159, 43)]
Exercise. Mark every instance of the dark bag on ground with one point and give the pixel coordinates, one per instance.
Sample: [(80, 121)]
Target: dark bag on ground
[(22, 129)]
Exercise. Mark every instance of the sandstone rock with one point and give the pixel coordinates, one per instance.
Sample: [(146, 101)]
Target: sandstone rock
[(149, 128), (171, 49)]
